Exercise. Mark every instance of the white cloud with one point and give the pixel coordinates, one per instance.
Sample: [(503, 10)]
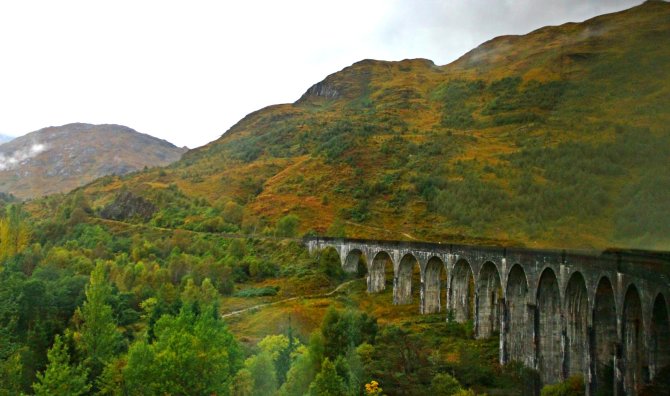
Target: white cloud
[(187, 71), (18, 157)]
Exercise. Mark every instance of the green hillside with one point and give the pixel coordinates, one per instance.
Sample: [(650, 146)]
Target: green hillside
[(127, 286), (556, 138)]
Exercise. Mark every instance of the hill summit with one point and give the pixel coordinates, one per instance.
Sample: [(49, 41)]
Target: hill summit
[(556, 138), (58, 159)]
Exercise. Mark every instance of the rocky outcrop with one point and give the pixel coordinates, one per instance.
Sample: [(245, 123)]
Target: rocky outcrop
[(128, 206), (323, 89)]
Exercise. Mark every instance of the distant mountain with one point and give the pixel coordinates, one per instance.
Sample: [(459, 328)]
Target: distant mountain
[(59, 159), (5, 138)]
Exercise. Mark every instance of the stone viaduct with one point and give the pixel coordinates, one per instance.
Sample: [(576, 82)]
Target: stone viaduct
[(601, 315)]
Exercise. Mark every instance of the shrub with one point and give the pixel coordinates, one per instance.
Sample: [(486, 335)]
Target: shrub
[(287, 226), (257, 292), (444, 384), (573, 386)]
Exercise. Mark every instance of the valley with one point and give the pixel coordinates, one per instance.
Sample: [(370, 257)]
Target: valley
[(497, 225)]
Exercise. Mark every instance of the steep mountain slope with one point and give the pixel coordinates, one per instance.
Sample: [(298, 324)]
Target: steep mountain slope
[(556, 138), (58, 159)]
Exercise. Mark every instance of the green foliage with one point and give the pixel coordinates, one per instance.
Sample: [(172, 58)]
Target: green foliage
[(192, 354), (573, 386), (360, 212), (257, 292), (246, 150), (397, 359), (342, 136), (444, 384), (61, 377), (455, 95), (471, 202), (243, 384), (280, 348), (237, 249), (263, 374), (644, 212), (301, 373), (99, 338), (523, 102), (330, 265), (233, 213), (327, 382), (342, 330), (11, 373), (287, 226), (15, 233)]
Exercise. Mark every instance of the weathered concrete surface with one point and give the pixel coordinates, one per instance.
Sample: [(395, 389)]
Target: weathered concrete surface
[(518, 328), (604, 346), (660, 336), (488, 298), (377, 272), (433, 286), (576, 315), (636, 368), (404, 289), (549, 340), (461, 294), (604, 315)]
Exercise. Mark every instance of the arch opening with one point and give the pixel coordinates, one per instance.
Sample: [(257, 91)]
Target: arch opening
[(329, 257), (604, 336), (576, 312), (635, 366), (434, 280), (489, 294), (462, 292), (355, 263), (382, 265), (518, 335), (660, 335), (409, 280), (548, 328)]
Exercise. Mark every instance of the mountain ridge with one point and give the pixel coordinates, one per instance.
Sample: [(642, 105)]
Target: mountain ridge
[(560, 142), (60, 158)]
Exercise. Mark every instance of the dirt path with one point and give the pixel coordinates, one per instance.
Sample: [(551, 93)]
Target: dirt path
[(330, 293)]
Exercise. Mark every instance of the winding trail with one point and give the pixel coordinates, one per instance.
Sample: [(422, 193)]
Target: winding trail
[(258, 306)]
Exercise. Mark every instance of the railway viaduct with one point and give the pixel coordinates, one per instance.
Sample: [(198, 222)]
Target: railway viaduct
[(602, 315)]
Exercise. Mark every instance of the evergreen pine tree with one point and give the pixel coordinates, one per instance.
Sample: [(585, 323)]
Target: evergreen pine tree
[(327, 382), (99, 338), (60, 377), (263, 374), (283, 362)]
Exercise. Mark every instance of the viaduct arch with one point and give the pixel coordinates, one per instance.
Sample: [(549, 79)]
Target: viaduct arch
[(604, 315)]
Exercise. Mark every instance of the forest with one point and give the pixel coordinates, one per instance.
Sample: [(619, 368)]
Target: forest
[(92, 306)]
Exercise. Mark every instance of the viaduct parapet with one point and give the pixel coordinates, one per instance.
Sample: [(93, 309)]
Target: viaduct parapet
[(602, 315)]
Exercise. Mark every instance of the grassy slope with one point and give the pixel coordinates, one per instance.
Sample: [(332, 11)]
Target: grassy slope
[(556, 138)]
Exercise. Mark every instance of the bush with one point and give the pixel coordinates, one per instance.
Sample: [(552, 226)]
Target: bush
[(444, 384), (258, 292), (287, 226), (573, 386)]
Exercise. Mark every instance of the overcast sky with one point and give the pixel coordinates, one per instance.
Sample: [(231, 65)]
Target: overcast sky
[(187, 71)]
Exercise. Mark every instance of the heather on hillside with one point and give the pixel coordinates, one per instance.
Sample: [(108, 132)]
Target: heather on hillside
[(562, 143)]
